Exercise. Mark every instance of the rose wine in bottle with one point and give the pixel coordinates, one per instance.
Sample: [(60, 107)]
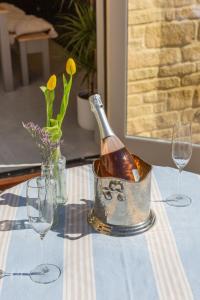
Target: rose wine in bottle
[(115, 159)]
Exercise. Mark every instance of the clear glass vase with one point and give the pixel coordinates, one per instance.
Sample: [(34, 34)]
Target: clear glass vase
[(56, 170), (60, 176)]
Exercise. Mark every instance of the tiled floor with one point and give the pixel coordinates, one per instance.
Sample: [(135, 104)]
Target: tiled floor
[(27, 104)]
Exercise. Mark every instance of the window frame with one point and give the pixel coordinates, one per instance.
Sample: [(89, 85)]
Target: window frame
[(154, 151)]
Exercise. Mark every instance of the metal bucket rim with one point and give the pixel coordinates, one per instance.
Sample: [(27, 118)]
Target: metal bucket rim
[(111, 178)]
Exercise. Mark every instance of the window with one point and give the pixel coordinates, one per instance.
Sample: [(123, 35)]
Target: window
[(153, 73)]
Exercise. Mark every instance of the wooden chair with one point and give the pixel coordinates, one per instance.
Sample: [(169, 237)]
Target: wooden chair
[(5, 52), (33, 43)]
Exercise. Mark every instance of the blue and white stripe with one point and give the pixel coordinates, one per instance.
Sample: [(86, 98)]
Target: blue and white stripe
[(168, 269), (79, 281)]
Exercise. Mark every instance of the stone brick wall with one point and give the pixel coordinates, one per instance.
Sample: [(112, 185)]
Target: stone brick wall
[(163, 66)]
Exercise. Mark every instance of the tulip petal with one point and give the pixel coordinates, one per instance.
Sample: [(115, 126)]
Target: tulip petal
[(70, 66), (51, 84)]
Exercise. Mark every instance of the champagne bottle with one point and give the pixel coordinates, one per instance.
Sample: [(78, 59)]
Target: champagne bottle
[(115, 159)]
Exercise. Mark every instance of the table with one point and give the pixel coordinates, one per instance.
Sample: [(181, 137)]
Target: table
[(162, 263), (5, 50)]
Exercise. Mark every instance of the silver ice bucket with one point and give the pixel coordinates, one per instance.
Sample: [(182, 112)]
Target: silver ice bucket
[(121, 207)]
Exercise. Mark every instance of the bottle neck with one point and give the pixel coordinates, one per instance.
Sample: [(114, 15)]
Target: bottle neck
[(98, 110)]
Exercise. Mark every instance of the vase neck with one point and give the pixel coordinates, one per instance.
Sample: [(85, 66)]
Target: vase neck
[(57, 154)]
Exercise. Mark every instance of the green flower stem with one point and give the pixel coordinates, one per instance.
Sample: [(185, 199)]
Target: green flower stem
[(53, 126), (54, 162), (49, 97), (47, 111), (65, 100), (56, 155)]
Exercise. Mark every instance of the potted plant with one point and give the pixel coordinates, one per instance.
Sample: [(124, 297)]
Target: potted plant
[(78, 37)]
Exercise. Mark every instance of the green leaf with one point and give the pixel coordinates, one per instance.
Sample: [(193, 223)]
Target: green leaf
[(54, 132), (59, 118), (64, 81), (53, 122), (49, 97), (43, 89), (65, 99)]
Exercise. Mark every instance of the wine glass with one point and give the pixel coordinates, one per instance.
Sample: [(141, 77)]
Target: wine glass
[(181, 154), (41, 195)]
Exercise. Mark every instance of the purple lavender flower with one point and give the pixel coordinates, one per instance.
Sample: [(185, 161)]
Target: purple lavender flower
[(43, 141)]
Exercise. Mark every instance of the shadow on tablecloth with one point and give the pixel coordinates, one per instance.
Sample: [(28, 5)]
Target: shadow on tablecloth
[(71, 218), (72, 222)]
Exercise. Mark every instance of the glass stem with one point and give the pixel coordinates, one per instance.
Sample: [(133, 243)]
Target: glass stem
[(179, 181), (42, 248), (45, 268)]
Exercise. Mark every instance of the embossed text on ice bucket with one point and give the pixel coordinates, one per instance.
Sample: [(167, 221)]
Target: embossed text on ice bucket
[(122, 207)]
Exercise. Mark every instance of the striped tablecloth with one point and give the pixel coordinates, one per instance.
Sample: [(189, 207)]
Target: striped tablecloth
[(163, 263)]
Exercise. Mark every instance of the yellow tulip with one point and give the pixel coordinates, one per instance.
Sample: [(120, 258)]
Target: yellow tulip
[(51, 84), (70, 66)]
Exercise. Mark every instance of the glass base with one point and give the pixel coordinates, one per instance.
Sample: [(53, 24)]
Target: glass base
[(178, 200), (45, 273)]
